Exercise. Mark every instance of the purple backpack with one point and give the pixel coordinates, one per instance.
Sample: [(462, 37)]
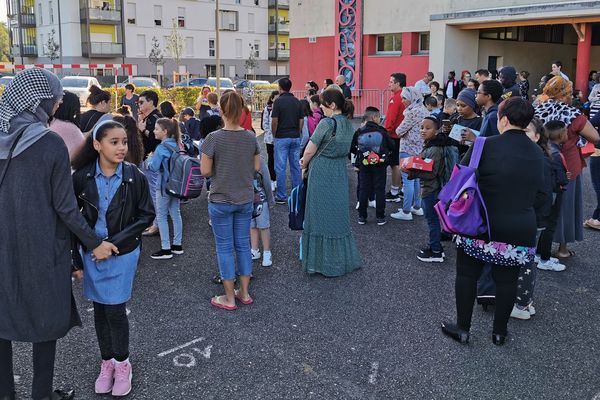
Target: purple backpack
[(461, 207)]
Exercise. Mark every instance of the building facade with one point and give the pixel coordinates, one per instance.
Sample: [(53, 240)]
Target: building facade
[(367, 40), (124, 31)]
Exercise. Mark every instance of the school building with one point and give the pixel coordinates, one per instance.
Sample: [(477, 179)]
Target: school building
[(367, 40)]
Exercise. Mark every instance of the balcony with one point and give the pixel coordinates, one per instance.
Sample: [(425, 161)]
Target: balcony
[(100, 16), (281, 28), (28, 50), (281, 4), (280, 55), (26, 20), (102, 49)]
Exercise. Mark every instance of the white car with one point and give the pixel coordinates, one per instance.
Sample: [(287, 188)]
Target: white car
[(80, 85), (5, 80)]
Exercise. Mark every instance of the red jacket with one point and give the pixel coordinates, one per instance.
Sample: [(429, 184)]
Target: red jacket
[(394, 115), (246, 120)]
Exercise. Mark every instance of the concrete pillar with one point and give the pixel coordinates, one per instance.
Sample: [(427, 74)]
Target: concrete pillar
[(451, 48), (584, 46)]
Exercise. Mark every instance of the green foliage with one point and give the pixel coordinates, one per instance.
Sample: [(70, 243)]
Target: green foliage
[(4, 43)]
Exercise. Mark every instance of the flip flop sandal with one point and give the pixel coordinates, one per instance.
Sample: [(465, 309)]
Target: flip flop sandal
[(589, 224), (215, 302), (246, 302), (571, 254)]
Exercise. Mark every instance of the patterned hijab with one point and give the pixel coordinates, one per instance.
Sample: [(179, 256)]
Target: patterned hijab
[(552, 106), (25, 108), (414, 96)]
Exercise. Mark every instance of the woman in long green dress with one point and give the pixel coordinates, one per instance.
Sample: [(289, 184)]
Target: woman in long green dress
[(328, 247)]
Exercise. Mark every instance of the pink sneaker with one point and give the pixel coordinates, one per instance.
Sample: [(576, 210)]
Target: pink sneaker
[(104, 383), (123, 375)]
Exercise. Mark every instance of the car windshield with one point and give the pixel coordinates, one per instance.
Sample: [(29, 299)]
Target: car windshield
[(224, 83), (143, 82), (74, 82), (5, 80)]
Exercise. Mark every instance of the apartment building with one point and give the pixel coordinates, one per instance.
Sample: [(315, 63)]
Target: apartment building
[(122, 31), (367, 40)]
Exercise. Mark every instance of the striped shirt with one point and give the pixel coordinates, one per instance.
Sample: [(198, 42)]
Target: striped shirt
[(233, 165)]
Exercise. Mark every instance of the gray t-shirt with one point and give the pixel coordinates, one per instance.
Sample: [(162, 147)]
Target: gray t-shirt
[(233, 165)]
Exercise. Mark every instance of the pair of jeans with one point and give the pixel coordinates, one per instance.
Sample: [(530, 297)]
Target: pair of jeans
[(153, 178), (468, 270), (271, 161), (595, 173), (411, 188), (231, 228), (433, 222), (44, 355), (372, 181), (286, 150), (112, 330), (168, 205)]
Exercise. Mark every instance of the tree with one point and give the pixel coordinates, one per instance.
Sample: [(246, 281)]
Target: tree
[(175, 44), (156, 56), (5, 54), (251, 63), (52, 48)]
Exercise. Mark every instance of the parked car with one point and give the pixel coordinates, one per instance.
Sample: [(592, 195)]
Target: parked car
[(141, 81), (5, 80), (195, 82), (246, 83), (276, 82), (80, 85), (226, 83)]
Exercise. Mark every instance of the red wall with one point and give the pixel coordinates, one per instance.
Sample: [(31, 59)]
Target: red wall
[(316, 61), (311, 61)]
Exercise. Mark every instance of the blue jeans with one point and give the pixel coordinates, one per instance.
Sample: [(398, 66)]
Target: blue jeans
[(168, 205), (411, 189), (231, 227), (286, 150), (433, 222), (152, 182)]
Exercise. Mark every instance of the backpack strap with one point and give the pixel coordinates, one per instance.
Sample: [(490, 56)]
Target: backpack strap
[(477, 150)]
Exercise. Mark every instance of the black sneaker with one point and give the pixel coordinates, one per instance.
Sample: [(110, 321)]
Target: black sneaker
[(389, 197), (177, 249), (426, 255), (362, 220), (381, 221), (280, 201), (162, 255)]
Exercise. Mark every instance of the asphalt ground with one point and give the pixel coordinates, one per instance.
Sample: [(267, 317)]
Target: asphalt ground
[(373, 334)]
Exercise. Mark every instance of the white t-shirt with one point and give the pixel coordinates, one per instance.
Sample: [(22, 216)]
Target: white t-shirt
[(423, 87)]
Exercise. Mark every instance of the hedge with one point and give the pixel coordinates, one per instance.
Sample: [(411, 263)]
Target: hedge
[(181, 97)]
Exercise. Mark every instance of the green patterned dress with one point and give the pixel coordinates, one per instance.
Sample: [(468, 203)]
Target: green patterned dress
[(328, 247)]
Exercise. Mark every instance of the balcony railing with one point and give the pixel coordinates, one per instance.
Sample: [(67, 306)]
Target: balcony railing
[(279, 55), (102, 49), (102, 16), (29, 50), (282, 27), (282, 4)]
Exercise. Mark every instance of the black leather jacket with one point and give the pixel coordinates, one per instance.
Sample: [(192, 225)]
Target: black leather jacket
[(129, 212)]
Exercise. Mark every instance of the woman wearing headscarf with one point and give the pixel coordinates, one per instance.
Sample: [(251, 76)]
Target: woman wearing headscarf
[(37, 210), (556, 106), (411, 144)]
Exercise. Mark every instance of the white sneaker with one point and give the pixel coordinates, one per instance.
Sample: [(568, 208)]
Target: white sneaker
[(273, 186), (255, 254), (531, 310), (551, 266), (372, 204), (520, 314), (267, 261), (417, 211), (401, 215), (538, 258)]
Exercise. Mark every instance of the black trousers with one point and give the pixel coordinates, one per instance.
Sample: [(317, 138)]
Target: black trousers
[(112, 330), (544, 248), (371, 181), (43, 369), (271, 160), (468, 270)]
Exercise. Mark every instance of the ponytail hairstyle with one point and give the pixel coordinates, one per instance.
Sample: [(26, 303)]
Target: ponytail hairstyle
[(171, 125), (316, 99), (232, 105), (306, 108), (98, 95), (274, 94), (124, 110), (86, 153), (135, 146), (331, 96)]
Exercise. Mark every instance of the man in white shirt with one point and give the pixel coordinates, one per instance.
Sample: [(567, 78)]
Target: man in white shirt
[(423, 85), (557, 70)]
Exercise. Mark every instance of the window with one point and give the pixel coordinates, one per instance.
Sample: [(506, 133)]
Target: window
[(141, 45), (51, 12), (238, 1), (130, 13), (544, 34), (250, 22), (43, 42), (256, 48), (41, 16), (157, 15), (211, 47), (181, 17), (389, 44), (189, 46), (211, 70), (500, 33), (238, 48), (228, 20), (424, 42), (312, 39)]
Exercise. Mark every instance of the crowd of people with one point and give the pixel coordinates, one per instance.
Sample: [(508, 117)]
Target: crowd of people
[(100, 181)]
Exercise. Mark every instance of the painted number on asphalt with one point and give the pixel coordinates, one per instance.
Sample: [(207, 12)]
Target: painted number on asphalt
[(188, 359)]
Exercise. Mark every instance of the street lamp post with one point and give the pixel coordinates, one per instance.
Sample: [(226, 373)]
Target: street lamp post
[(217, 51)]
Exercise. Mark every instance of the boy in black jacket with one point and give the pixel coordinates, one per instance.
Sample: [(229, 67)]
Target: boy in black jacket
[(372, 147)]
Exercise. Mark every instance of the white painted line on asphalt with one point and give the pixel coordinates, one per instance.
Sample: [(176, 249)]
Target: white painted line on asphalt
[(374, 372), (183, 346), (17, 379), (179, 359), (206, 352)]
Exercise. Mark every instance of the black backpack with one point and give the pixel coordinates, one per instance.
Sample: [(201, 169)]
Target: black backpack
[(372, 149)]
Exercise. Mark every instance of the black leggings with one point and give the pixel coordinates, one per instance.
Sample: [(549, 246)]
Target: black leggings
[(112, 330), (468, 270), (271, 160), (43, 369)]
